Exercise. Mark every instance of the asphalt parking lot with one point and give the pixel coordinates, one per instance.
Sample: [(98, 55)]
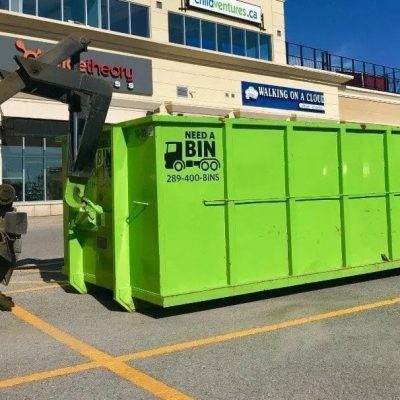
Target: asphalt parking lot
[(335, 341)]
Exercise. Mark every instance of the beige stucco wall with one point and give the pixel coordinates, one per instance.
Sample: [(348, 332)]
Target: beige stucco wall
[(213, 79), (368, 106)]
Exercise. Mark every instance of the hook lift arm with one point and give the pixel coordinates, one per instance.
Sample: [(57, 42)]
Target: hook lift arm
[(88, 99)]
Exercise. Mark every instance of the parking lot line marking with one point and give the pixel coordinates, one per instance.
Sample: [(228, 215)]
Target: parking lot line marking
[(196, 343), (85, 349), (37, 270), (32, 289), (133, 375), (40, 376), (256, 331)]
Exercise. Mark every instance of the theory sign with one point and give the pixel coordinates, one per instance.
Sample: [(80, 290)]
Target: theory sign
[(127, 74)]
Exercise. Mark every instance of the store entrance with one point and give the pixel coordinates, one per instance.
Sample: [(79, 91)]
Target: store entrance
[(31, 158)]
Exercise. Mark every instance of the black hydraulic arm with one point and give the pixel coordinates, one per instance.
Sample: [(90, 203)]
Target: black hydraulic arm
[(88, 97)]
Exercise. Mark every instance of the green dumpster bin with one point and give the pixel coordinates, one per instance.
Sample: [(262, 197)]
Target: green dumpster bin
[(195, 209)]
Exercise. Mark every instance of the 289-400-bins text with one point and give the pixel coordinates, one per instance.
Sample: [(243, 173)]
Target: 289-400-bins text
[(175, 178)]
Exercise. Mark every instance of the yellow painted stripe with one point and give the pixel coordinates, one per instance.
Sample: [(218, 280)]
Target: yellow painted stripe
[(33, 289), (135, 374), (138, 378), (57, 334), (255, 331), (40, 376), (37, 270), (146, 382)]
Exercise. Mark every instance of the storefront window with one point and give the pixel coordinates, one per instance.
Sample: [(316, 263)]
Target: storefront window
[(29, 7), (33, 166), (93, 12), (49, 9), (104, 14), (211, 36), (119, 16), (252, 44), (176, 31), (208, 35), (13, 164), (34, 179), (238, 42), (265, 47), (116, 15), (53, 168), (74, 10), (4, 4), (192, 31), (139, 20), (224, 38)]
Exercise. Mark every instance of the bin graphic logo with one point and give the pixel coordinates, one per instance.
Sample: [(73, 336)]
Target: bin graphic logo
[(197, 150)]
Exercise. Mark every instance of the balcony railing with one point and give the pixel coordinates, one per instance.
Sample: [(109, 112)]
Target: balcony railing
[(365, 74)]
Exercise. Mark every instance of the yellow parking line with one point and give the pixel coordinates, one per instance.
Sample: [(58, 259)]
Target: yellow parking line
[(40, 376), (138, 378), (198, 343), (255, 331), (37, 270), (50, 286)]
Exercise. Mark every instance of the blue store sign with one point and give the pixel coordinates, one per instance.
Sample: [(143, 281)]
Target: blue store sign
[(284, 98)]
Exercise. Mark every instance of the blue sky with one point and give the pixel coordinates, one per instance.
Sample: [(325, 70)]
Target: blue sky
[(364, 29)]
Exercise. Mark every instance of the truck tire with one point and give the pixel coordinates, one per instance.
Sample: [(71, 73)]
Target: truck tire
[(179, 165)]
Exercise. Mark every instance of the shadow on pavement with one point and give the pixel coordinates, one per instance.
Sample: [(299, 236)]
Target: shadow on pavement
[(49, 269), (36, 263), (6, 303), (158, 312)]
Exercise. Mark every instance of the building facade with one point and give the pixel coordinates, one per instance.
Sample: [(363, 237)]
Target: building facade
[(222, 58)]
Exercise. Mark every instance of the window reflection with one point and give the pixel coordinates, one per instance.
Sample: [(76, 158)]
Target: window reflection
[(208, 35), (252, 44), (93, 12), (74, 10), (176, 31), (192, 31), (224, 38), (212, 36), (49, 9), (139, 20), (34, 179), (119, 16), (238, 42), (4, 4), (265, 47), (33, 165), (29, 7)]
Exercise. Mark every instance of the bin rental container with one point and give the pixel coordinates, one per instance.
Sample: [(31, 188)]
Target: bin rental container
[(192, 209)]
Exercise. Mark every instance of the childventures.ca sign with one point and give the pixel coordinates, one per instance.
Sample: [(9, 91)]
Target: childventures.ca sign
[(127, 74), (230, 8)]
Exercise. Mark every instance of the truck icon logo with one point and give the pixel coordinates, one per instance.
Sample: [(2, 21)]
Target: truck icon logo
[(191, 153)]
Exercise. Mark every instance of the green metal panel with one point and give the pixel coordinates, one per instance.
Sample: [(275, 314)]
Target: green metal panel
[(200, 208), (191, 232), (255, 190)]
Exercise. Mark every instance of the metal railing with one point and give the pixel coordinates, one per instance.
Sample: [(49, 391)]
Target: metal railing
[(365, 74)]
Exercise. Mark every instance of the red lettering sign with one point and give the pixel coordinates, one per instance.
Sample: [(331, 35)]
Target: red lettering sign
[(90, 66)]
